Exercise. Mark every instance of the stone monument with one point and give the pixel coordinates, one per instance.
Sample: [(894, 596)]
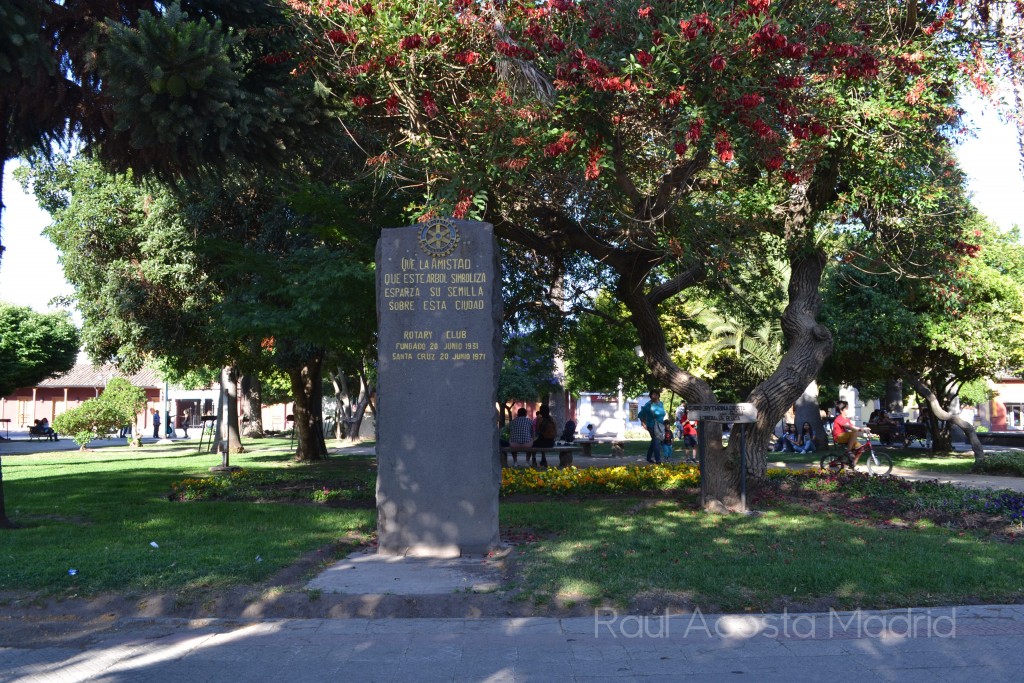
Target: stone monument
[(439, 354)]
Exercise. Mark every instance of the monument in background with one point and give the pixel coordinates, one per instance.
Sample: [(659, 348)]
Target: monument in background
[(439, 353)]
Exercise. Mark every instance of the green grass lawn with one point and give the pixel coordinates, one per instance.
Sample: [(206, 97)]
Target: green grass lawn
[(909, 458), (99, 511), (614, 550)]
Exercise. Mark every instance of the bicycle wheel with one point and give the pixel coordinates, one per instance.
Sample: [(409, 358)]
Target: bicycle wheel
[(832, 462), (878, 463)]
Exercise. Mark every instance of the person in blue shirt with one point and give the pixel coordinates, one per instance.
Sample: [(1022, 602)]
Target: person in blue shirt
[(652, 416)]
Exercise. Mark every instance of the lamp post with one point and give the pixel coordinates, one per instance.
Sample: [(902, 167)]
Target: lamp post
[(620, 415), (165, 424)]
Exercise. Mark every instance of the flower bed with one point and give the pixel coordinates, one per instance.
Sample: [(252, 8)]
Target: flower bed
[(598, 480)]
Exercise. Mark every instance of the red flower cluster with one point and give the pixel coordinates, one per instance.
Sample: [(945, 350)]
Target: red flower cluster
[(466, 57), (698, 24), (561, 146), (768, 37), (751, 100), (515, 164), (794, 50), (774, 163), (791, 177), (680, 148), (391, 61), (342, 37), (908, 63), (724, 147), (510, 50), (969, 250), (613, 84), (359, 69), (361, 101), (696, 131), (674, 98), (411, 42), (391, 106), (644, 58), (790, 81), (593, 170), (367, 10), (434, 40), (645, 12), (429, 105), (762, 129), (276, 58), (758, 6), (462, 206), (717, 63)]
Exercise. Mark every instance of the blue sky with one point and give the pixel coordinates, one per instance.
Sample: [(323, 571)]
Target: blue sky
[(30, 274)]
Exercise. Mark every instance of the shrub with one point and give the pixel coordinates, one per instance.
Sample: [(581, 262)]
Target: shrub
[(116, 406), (1001, 463)]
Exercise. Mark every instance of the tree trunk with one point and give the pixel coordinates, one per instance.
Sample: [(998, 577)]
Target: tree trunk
[(351, 411), (808, 344), (252, 397), (894, 396), (307, 393), (227, 412), (807, 409), (940, 413), (5, 523)]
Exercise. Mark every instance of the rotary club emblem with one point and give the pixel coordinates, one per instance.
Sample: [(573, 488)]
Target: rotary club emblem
[(439, 237)]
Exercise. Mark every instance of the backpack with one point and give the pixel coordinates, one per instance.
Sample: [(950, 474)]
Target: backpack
[(548, 429)]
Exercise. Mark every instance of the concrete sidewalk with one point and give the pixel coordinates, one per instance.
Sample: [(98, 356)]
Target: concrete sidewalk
[(941, 644)]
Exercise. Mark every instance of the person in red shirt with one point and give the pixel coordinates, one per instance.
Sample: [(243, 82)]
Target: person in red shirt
[(690, 441), (843, 431)]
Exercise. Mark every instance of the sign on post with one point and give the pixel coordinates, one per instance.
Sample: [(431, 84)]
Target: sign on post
[(722, 412), (735, 413)]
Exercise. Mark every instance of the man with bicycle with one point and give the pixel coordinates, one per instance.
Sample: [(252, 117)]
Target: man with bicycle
[(843, 432)]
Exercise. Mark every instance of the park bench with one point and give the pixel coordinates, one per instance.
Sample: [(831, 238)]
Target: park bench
[(565, 453), (35, 434), (618, 446)]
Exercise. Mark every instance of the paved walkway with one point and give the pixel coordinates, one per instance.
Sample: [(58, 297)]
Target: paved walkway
[(969, 644)]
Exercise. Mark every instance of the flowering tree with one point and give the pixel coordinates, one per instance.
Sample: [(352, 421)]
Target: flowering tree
[(665, 140)]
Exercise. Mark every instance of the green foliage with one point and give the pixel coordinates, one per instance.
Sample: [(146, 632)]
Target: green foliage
[(118, 405), (526, 370), (34, 346), (188, 95), (954, 325), (600, 349), (1006, 463)]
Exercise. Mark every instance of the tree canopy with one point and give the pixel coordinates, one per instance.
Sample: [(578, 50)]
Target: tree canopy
[(34, 346)]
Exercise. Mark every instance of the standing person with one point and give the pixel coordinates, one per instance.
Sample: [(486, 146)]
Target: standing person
[(805, 439), (667, 443), (156, 424), (547, 430), (652, 416), (520, 434), (186, 415), (690, 440)]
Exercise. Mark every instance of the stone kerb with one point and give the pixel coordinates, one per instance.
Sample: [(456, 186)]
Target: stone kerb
[(439, 353)]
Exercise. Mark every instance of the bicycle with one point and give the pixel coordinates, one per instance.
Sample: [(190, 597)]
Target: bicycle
[(875, 462)]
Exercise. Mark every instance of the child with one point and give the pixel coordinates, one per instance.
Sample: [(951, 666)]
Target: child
[(667, 443), (690, 441)]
